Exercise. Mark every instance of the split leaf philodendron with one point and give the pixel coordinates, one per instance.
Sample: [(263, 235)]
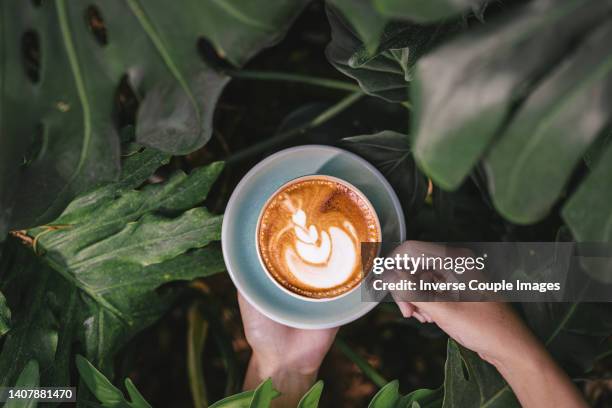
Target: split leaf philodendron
[(99, 264), (77, 53)]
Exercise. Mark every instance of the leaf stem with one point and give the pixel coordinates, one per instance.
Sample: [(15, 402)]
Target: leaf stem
[(360, 362), (287, 77), (289, 134)]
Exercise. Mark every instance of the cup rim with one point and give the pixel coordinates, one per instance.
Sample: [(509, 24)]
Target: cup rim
[(265, 206)]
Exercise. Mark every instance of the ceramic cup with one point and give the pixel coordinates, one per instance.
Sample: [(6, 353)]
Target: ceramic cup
[(242, 214), (351, 187)]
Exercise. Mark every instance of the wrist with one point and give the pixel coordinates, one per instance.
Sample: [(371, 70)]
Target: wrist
[(290, 380), (267, 367), (515, 361)]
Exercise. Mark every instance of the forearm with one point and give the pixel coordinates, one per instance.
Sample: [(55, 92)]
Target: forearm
[(538, 381), (290, 382)]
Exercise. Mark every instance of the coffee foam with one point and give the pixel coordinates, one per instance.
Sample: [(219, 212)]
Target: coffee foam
[(310, 234)]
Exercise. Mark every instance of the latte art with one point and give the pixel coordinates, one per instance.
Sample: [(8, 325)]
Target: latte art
[(310, 233)]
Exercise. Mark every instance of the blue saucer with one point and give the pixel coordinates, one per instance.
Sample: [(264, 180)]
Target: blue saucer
[(240, 222)]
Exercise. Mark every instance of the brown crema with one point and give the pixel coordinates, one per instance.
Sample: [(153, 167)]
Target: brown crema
[(309, 236)]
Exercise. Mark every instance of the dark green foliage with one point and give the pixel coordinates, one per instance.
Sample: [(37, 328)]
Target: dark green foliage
[(390, 153), (588, 211), (471, 382), (29, 378), (5, 316), (425, 11), (385, 69), (100, 264), (109, 395), (551, 127), (58, 103)]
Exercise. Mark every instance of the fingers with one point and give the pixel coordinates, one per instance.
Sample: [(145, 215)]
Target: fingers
[(406, 309), (419, 317), (409, 310)]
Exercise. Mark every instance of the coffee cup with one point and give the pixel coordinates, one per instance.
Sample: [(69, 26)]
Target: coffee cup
[(309, 237)]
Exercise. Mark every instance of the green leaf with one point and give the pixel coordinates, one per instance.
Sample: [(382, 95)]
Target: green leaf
[(59, 118), (241, 400), (264, 394), (102, 262), (423, 398), (459, 111), (312, 396), (99, 385), (575, 333), (588, 212), (386, 70), (196, 338), (390, 153), (364, 20), (471, 382), (109, 395), (425, 11), (5, 316), (138, 401), (535, 156), (387, 397), (29, 378)]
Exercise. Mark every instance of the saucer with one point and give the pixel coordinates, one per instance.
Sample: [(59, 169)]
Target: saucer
[(240, 223)]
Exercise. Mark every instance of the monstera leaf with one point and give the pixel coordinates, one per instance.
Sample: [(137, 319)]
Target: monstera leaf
[(575, 333), (555, 125), (63, 62), (531, 108), (95, 279), (471, 382), (458, 111)]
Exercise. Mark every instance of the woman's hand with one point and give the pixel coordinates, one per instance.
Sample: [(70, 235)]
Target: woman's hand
[(291, 357), (499, 336)]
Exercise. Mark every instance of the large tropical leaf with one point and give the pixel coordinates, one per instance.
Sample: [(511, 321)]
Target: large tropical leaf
[(471, 382), (575, 333), (460, 108), (531, 163), (62, 63), (99, 265)]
